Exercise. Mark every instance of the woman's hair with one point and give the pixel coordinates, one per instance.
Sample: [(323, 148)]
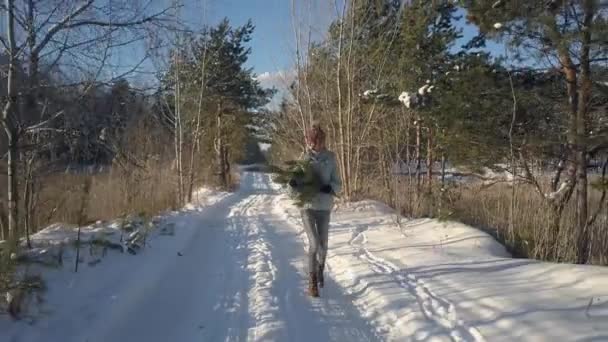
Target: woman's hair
[(315, 134)]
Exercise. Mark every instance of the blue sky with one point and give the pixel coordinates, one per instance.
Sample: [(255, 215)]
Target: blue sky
[(273, 43)]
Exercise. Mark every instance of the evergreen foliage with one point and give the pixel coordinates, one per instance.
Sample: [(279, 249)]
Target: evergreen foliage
[(306, 179)]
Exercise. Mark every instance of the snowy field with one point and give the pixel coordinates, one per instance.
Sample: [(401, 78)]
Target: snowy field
[(231, 268)]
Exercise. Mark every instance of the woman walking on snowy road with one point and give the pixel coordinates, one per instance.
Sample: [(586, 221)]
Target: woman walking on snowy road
[(316, 213)]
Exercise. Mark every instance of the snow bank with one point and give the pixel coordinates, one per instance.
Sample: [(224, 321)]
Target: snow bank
[(206, 197), (53, 249), (234, 269), (445, 281)]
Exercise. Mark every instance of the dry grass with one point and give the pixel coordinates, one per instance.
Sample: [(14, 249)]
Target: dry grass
[(113, 194), (531, 221), (489, 209), (235, 181)]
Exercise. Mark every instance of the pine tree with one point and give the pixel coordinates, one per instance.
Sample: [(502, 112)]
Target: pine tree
[(215, 82), (571, 36)]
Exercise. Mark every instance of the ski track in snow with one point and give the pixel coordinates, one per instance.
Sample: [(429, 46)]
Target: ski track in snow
[(436, 309)]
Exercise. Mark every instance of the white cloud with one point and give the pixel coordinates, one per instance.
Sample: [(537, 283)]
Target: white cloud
[(278, 79), (281, 80)]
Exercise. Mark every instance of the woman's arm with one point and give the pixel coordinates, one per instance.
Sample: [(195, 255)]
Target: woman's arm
[(334, 179)]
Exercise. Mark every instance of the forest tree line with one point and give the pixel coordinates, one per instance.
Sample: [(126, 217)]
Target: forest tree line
[(86, 138), (396, 83)]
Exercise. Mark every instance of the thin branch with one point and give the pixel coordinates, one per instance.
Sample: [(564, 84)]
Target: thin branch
[(577, 18), (4, 43), (47, 20), (602, 201), (44, 129), (558, 173), (61, 25), (145, 20), (530, 176), (40, 125)]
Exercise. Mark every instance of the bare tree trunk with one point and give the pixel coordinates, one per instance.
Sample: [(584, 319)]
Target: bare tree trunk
[(13, 194), (550, 248), (226, 170), (429, 161), (443, 170), (513, 166), (574, 156), (581, 194), (408, 160), (384, 169), (596, 236), (583, 239), (429, 171), (10, 124), (177, 127), (3, 223), (28, 199), (82, 215), (342, 152), (302, 83), (418, 156), (220, 150), (194, 151), (408, 154), (350, 66), (196, 143), (32, 107), (178, 156), (442, 191), (396, 176)]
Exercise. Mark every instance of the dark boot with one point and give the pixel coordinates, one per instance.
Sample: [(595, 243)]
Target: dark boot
[(313, 290), (320, 278)]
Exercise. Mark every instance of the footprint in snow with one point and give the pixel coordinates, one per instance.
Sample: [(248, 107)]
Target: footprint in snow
[(598, 307)]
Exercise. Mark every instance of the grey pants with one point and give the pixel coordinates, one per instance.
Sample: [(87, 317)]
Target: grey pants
[(316, 225)]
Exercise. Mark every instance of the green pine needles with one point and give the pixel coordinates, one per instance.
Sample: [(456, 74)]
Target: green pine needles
[(307, 180)]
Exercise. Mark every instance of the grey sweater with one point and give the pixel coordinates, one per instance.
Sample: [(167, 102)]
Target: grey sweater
[(326, 167)]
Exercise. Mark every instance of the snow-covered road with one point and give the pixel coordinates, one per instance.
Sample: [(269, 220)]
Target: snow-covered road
[(235, 271), (239, 277)]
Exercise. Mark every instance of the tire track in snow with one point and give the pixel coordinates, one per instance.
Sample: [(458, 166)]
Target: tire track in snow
[(237, 302), (329, 318), (265, 321), (436, 309), (275, 306)]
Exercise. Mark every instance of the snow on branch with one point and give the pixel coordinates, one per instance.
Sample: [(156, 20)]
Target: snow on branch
[(40, 126), (419, 98), (409, 100), (556, 194)]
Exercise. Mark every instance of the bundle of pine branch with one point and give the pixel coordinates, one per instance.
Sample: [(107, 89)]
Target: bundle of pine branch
[(307, 181)]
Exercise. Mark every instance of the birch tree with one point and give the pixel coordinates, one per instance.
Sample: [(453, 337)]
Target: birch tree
[(42, 37)]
